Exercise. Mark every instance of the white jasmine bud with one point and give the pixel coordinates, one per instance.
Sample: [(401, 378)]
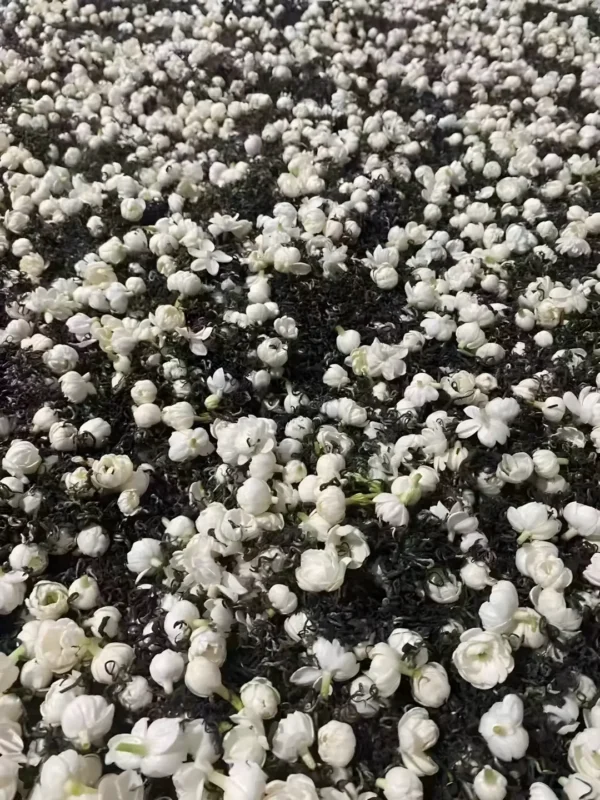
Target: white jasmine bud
[(104, 622), (93, 541), (61, 358), (260, 379), (430, 685), (285, 327), (86, 720), (282, 599), (166, 669), (272, 352), (253, 145), (515, 469), (132, 209), (293, 737), (28, 556), (113, 251), (254, 496), (331, 504), (546, 464), (35, 676), (43, 419), (179, 528), (95, 226), (476, 575), (347, 341), (297, 625), (553, 408), (98, 429), (136, 285), (320, 570), (62, 437), (146, 415), (401, 784), (144, 556), (336, 377), (111, 472), (336, 743), (294, 471), (180, 416), (443, 587), (21, 458), (543, 339), (167, 318), (502, 729), (203, 677), (58, 697), (84, 593), (32, 265), (260, 698), (136, 695), (490, 784), (111, 662), (143, 392)]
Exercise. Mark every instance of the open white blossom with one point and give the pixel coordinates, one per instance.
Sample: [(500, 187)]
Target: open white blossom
[(501, 727), (334, 663), (483, 658), (156, 749)]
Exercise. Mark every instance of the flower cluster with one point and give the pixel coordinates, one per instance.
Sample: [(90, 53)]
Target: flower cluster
[(300, 400)]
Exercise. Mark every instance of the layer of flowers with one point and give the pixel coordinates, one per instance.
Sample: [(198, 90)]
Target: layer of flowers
[(299, 400)]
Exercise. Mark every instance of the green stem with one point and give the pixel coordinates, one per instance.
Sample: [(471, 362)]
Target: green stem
[(218, 779), (413, 495), (326, 684), (308, 759), (76, 789), (381, 783), (523, 537), (236, 702), (361, 499), (232, 698), (135, 749), (92, 646), (358, 477), (16, 654)]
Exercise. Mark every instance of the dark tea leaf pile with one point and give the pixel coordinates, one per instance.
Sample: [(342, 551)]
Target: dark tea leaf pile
[(299, 400)]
